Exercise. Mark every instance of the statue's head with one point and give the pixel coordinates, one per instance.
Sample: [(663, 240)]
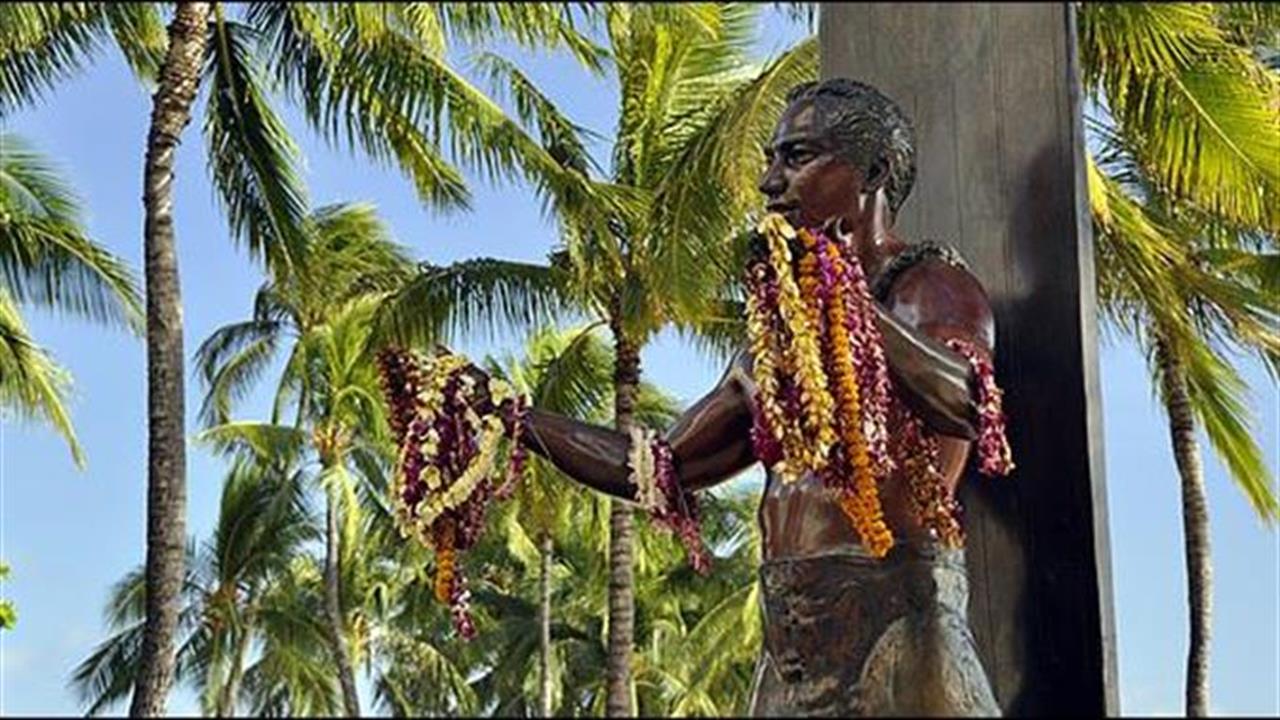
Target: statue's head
[(837, 144)]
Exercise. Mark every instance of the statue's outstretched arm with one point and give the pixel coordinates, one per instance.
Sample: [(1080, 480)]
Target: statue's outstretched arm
[(710, 442)]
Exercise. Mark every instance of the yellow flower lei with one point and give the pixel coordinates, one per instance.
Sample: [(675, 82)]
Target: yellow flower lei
[(805, 354), (764, 371)]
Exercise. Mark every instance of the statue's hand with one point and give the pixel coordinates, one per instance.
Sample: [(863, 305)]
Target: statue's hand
[(479, 376), (507, 407)]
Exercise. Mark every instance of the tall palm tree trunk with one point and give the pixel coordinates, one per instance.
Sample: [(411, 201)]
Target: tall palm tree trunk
[(544, 623), (333, 609), (626, 380), (1195, 528), (166, 451)]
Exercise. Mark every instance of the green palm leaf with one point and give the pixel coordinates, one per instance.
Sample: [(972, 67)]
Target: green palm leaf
[(31, 383), (252, 159), (251, 439), (472, 295), (1148, 279), (140, 35), (1200, 110), (46, 256), (1219, 397), (42, 45), (106, 677)]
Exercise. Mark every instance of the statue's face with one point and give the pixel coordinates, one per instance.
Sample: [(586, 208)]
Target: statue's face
[(807, 181)]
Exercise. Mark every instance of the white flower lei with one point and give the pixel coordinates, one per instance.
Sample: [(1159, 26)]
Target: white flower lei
[(644, 474)]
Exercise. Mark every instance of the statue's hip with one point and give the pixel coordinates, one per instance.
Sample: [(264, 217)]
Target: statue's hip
[(848, 634)]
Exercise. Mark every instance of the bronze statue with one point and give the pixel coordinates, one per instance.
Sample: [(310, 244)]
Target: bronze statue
[(846, 633)]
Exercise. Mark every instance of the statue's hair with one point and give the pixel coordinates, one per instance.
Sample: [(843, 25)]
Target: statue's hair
[(866, 126)]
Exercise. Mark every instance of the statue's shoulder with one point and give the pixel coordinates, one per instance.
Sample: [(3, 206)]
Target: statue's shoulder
[(931, 284), (921, 254)]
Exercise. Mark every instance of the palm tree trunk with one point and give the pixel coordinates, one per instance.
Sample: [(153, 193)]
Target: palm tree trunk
[(1195, 528), (166, 451), (626, 380), (333, 609), (544, 622)]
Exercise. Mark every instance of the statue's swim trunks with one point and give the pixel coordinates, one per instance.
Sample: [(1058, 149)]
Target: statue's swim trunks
[(849, 635)]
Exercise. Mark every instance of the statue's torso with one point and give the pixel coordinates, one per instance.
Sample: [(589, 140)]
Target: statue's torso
[(803, 518)]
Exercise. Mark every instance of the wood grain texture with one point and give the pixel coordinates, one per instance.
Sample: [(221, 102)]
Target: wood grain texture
[(993, 92)]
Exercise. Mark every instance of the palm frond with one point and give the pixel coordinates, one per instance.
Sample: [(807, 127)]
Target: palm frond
[(230, 361), (1147, 279), (1251, 24), (561, 137), (250, 439), (41, 45), (31, 383), (262, 522), (483, 294), (1218, 395), (437, 684), (385, 86), (140, 35), (252, 159), (354, 254), (570, 377), (654, 407), (1201, 112), (106, 677), (709, 186), (46, 256), (328, 73), (293, 674), (534, 24)]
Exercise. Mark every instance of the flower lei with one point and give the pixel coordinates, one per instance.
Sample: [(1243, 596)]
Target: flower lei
[(824, 396), (456, 439), (658, 492)]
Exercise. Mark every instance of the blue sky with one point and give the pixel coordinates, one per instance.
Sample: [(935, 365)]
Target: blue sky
[(69, 535)]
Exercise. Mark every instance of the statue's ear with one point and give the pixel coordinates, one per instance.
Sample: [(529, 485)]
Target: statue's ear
[(877, 175)]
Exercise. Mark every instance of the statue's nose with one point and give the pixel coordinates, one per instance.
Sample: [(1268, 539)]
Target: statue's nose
[(772, 183)]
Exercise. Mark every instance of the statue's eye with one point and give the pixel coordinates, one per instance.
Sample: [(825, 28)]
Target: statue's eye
[(799, 157)]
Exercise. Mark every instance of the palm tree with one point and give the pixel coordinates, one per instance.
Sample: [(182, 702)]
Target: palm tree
[(178, 84), (262, 524), (47, 259), (703, 634), (322, 301), (380, 71), (569, 373), (1186, 206), (655, 248)]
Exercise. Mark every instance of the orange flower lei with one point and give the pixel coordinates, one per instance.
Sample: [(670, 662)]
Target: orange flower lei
[(446, 556), (862, 503)]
